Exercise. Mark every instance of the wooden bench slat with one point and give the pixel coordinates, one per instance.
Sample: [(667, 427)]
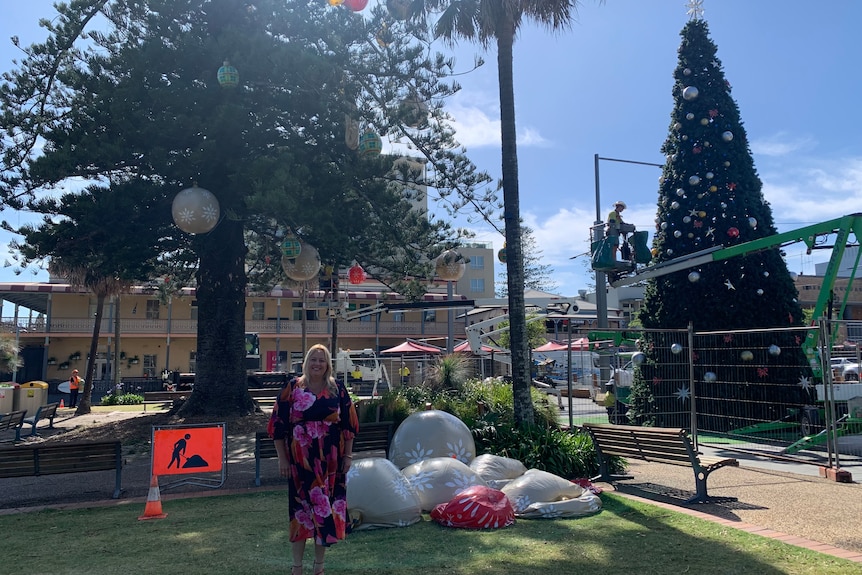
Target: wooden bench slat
[(659, 445)]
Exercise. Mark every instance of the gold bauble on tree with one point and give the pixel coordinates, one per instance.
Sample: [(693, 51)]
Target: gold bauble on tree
[(303, 267), (450, 265)]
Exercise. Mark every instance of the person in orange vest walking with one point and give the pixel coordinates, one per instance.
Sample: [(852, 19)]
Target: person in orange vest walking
[(74, 386)]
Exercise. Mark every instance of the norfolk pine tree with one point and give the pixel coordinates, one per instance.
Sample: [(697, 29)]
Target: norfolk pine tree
[(139, 102), (710, 195)]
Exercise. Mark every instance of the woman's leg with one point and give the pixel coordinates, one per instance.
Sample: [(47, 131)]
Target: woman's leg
[(298, 550), (319, 553)]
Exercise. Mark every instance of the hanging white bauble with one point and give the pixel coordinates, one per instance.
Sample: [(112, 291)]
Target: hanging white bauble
[(727, 136), (760, 292), (746, 355), (638, 358), (677, 234), (450, 266), (774, 350), (694, 277), (680, 192), (709, 175), (694, 180), (195, 210), (793, 276), (704, 121), (686, 219), (687, 71), (674, 205), (766, 274), (303, 267), (685, 137), (690, 93), (663, 225), (677, 126), (752, 222), (669, 251), (726, 164), (676, 349), (709, 377), (689, 116), (723, 206)]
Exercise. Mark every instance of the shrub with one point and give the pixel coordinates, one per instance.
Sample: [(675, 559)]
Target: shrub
[(125, 399)]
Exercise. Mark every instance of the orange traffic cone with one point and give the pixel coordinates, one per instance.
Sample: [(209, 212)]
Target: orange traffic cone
[(153, 510), (62, 402)]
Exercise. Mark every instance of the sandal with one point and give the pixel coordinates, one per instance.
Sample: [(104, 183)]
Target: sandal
[(294, 571), (314, 569)]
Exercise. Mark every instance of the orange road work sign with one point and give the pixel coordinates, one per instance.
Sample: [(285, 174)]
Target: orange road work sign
[(179, 450)]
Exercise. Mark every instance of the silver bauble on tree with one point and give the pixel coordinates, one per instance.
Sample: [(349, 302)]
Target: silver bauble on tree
[(303, 267), (195, 210), (690, 93)]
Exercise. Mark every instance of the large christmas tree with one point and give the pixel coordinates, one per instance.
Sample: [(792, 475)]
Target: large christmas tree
[(710, 196)]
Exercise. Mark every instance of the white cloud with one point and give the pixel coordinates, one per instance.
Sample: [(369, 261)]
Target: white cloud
[(781, 144), (478, 126)]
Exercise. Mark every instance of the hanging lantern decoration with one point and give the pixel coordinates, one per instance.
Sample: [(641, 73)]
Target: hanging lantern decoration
[(356, 5), (228, 77), (501, 255), (356, 275), (400, 9), (413, 112), (291, 247), (450, 266), (370, 144), (303, 267), (195, 210)]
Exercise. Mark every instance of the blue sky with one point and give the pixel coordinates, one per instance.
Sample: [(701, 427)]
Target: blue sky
[(604, 87)]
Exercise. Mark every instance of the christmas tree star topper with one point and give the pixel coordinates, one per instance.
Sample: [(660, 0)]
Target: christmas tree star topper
[(695, 9)]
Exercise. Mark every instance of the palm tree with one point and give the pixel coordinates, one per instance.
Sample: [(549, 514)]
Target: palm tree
[(498, 21)]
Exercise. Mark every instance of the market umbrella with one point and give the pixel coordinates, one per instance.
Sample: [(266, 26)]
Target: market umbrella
[(464, 347), (410, 346)]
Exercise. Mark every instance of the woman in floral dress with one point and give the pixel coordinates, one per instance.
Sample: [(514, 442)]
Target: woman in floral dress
[(314, 423)]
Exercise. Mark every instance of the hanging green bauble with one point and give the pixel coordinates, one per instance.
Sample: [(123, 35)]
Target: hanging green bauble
[(228, 77), (291, 246), (501, 255), (370, 144)]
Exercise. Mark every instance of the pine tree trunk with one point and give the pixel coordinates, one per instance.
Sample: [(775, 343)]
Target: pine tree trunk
[(221, 387), (523, 405), (86, 401)]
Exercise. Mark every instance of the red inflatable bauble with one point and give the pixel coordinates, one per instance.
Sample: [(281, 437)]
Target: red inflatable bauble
[(356, 5), (733, 232), (477, 507), (356, 275)]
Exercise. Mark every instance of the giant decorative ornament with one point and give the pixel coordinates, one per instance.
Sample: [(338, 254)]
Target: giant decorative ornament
[(733, 232), (370, 144), (690, 93), (638, 358), (356, 5), (727, 136), (774, 350), (709, 377), (676, 349), (356, 275), (450, 266), (746, 355), (400, 9), (752, 222), (228, 77), (694, 277), (413, 112), (501, 254), (291, 246), (195, 210), (694, 180), (305, 266)]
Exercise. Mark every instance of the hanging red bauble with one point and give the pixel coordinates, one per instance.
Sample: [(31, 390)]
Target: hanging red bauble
[(356, 5), (733, 232), (356, 275)]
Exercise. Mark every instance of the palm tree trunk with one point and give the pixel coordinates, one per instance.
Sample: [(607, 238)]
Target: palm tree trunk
[(85, 404), (523, 405)]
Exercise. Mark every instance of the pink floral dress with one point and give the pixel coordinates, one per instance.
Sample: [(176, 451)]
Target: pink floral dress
[(314, 428)]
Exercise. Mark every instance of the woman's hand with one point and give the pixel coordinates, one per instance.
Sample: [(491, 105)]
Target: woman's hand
[(283, 467), (346, 461)]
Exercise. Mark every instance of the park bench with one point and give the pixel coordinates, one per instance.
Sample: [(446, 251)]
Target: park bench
[(653, 444), (164, 398), (374, 436), (47, 411), (12, 421), (56, 458)]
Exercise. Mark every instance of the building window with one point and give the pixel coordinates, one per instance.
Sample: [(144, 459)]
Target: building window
[(150, 367), (477, 263), (429, 315), (297, 312), (152, 309), (398, 316), (257, 310), (477, 285)]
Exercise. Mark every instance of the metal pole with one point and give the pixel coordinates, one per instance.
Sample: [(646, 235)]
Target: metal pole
[(450, 321), (691, 382), (571, 415), (278, 335)]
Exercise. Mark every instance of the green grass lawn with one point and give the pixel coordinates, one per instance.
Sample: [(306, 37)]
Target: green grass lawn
[(247, 534)]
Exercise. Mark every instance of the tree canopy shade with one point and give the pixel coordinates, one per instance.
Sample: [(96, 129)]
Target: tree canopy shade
[(138, 103), (498, 23), (710, 196)]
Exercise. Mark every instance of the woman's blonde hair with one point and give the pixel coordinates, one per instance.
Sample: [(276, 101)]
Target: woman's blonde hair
[(327, 376)]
